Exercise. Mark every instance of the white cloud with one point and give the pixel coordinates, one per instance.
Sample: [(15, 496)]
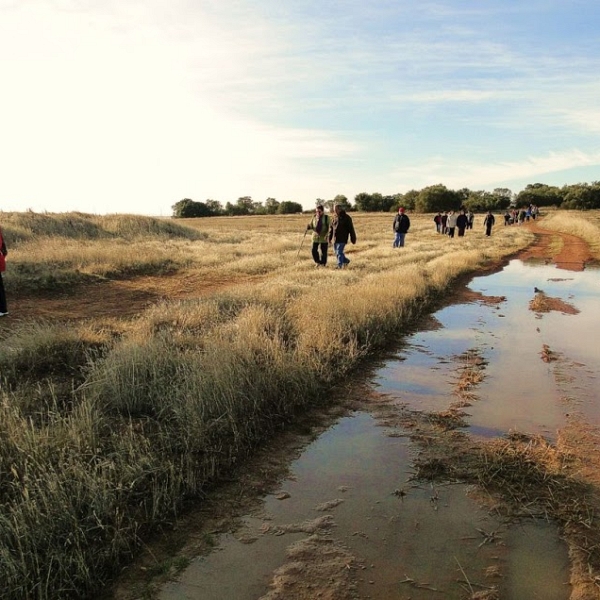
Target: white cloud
[(476, 175)]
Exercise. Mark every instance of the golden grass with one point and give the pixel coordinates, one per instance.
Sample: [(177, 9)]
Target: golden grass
[(585, 225), (102, 444)]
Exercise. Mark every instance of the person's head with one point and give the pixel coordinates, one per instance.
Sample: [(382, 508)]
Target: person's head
[(401, 210), (338, 208), (319, 210)]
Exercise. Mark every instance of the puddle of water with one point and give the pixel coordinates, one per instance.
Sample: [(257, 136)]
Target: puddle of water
[(433, 541), (426, 542), (520, 391), (535, 552)]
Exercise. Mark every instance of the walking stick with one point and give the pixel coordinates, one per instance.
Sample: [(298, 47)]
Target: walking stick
[(302, 242)]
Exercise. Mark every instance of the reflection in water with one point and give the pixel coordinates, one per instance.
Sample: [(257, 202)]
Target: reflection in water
[(430, 542), (520, 391)]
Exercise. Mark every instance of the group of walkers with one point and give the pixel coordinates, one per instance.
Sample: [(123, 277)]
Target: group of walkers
[(451, 222), (339, 228), (518, 217), (326, 229)]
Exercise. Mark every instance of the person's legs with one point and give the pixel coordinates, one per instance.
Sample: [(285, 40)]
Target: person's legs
[(339, 252), (401, 237), (324, 248), (315, 253), (396, 239), (3, 308)]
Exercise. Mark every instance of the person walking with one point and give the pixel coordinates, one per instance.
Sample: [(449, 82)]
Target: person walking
[(438, 222), (470, 219), (451, 223), (445, 223), (320, 227), (488, 222), (462, 222), (341, 229), (3, 253), (400, 226)]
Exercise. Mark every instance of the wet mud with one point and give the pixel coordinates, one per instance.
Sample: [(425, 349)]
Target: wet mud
[(364, 502)]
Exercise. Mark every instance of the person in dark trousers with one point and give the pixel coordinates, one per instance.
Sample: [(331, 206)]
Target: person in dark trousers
[(400, 226), (470, 219), (320, 227), (488, 223), (445, 223), (3, 253), (462, 222), (451, 223), (341, 229)]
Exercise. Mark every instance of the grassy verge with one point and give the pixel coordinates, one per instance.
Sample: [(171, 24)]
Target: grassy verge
[(109, 431), (585, 225)]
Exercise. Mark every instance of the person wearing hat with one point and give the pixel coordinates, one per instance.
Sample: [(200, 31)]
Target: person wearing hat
[(401, 226)]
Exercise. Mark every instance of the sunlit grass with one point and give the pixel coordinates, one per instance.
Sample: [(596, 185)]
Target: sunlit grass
[(108, 427), (585, 225)]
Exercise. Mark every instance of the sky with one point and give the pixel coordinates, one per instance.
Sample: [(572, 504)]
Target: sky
[(128, 106)]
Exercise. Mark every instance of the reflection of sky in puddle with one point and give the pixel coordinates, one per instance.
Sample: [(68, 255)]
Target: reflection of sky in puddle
[(355, 462), (520, 391)]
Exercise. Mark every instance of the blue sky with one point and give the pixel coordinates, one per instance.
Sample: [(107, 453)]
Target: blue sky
[(131, 105)]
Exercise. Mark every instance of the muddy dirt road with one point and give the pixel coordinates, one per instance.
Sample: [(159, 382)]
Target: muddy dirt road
[(258, 519)]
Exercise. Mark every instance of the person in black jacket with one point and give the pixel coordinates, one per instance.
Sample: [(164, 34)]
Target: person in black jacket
[(341, 229), (488, 223), (462, 222), (400, 226)]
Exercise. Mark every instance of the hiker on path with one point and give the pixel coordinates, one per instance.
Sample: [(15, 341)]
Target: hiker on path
[(451, 223), (470, 219), (341, 229), (438, 222), (488, 223), (462, 222), (445, 223), (3, 253), (320, 227), (400, 226)]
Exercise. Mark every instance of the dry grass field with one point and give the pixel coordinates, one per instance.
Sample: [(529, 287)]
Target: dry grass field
[(116, 408)]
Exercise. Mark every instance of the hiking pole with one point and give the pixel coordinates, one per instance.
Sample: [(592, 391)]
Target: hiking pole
[(302, 242)]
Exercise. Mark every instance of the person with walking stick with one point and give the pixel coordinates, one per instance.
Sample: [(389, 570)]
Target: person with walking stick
[(320, 227)]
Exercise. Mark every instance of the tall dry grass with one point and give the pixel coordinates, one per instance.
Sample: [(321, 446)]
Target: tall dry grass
[(114, 426), (54, 251), (585, 225)]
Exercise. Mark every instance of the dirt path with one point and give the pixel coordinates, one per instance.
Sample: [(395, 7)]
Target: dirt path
[(129, 297), (118, 298), (325, 566), (573, 255)]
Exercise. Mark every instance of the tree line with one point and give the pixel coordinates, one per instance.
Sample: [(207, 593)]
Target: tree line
[(433, 198)]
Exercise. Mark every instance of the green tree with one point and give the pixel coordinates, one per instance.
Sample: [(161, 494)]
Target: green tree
[(215, 208), (540, 194), (582, 196), (186, 209), (408, 200), (272, 206), (364, 202), (289, 208), (391, 202), (438, 197)]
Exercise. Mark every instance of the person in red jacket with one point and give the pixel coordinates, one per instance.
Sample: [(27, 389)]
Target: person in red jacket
[(3, 253)]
